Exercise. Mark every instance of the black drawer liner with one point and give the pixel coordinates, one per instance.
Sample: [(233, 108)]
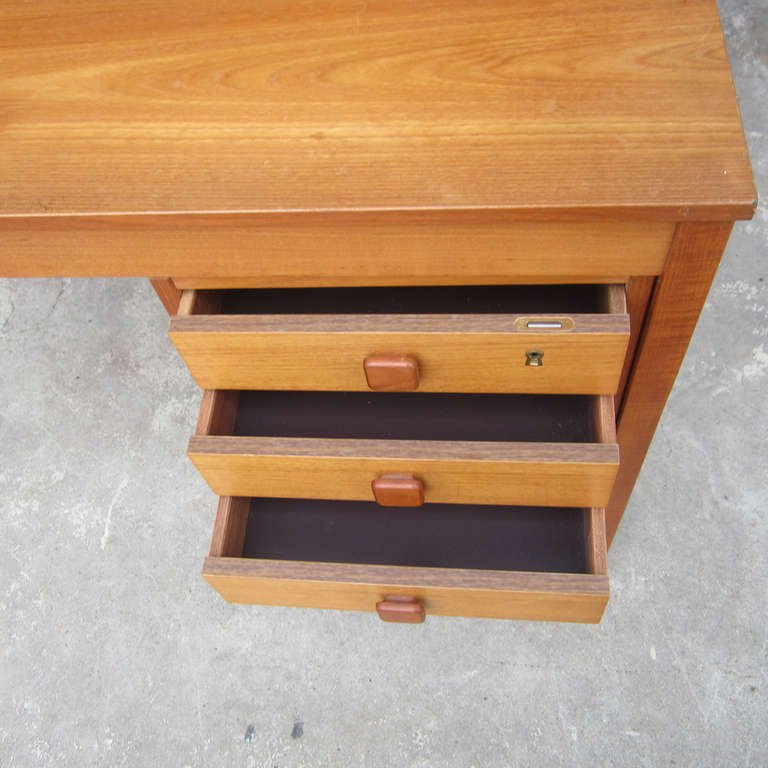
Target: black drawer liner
[(416, 416), (419, 300), (434, 535)]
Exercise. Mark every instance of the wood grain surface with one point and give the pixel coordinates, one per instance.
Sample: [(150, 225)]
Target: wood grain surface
[(531, 597), (529, 474), (442, 591), (455, 353), (316, 105), (604, 419), (333, 248), (595, 541), (229, 526), (167, 292), (638, 297), (218, 411), (198, 303), (677, 300)]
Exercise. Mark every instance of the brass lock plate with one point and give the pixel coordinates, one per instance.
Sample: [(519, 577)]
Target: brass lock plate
[(534, 358)]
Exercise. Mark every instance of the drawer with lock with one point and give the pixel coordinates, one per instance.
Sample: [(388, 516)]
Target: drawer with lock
[(442, 559), (406, 449), (509, 338)]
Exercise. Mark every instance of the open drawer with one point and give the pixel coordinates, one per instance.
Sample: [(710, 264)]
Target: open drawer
[(495, 562), (515, 338), (540, 450)]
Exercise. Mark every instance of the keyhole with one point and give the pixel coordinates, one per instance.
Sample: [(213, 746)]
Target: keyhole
[(534, 358)]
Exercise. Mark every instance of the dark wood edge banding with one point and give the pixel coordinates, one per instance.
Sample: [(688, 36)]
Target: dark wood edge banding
[(486, 324), (422, 450), (404, 576)]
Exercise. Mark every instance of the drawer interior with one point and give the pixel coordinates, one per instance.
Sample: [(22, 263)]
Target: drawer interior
[(457, 560), (434, 535), (476, 299), (405, 416)]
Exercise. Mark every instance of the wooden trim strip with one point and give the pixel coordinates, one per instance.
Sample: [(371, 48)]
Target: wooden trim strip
[(417, 450)]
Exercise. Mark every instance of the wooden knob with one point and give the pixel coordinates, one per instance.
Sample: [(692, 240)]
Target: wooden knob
[(392, 373), (398, 491), (401, 608)]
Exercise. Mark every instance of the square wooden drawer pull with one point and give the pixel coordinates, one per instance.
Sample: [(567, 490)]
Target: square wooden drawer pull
[(401, 608), (392, 373), (398, 491)]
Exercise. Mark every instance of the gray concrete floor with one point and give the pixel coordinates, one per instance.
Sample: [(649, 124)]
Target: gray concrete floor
[(115, 651)]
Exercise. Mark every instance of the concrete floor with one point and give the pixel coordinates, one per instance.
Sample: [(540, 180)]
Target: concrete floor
[(115, 651)]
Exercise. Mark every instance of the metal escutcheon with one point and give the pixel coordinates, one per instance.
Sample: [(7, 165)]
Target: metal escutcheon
[(534, 357)]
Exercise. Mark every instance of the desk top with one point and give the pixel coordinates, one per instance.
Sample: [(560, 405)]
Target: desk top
[(532, 108)]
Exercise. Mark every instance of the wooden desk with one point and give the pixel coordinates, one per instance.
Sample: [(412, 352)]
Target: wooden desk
[(320, 144)]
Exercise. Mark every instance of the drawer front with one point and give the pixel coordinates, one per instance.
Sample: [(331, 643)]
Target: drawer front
[(337, 248), (451, 471), (541, 474), (534, 352), (541, 596)]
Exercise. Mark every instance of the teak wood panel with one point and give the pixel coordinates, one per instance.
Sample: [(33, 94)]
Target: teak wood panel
[(530, 474), (535, 474), (678, 297), (443, 591), (622, 109), (531, 597), (455, 353), (343, 248)]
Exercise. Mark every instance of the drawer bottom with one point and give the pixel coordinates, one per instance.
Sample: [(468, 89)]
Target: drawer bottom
[(481, 561)]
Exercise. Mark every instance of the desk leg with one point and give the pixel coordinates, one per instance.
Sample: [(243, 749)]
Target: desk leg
[(167, 292), (678, 296)]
